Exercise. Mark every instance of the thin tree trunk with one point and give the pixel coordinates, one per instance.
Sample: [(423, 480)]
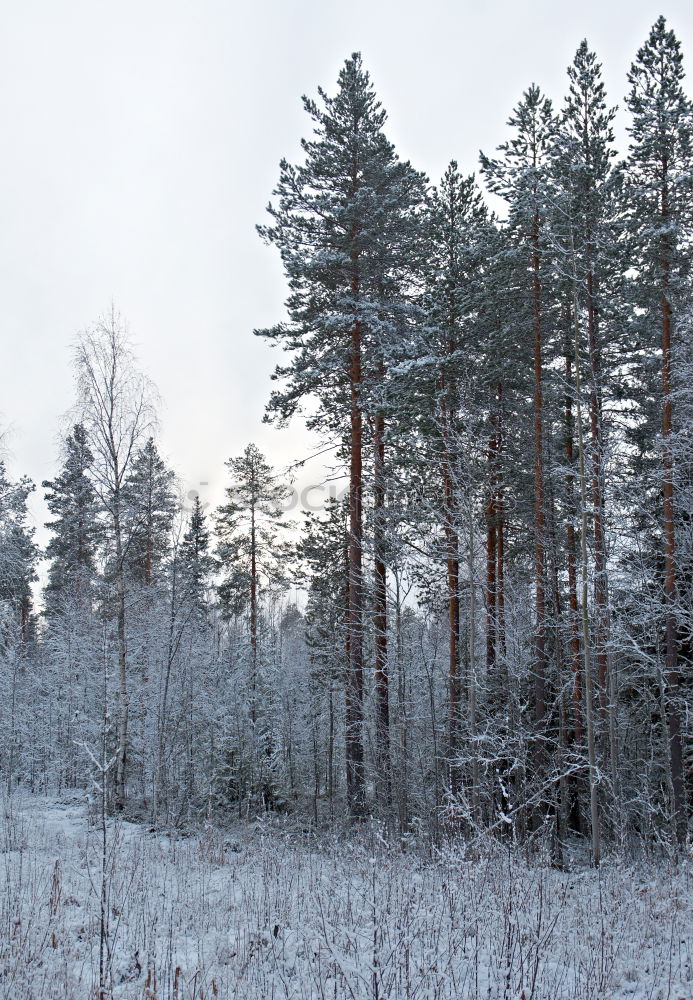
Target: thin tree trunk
[(500, 545), (562, 805), (330, 753), (354, 686), (589, 688), (402, 713), (149, 544), (453, 575), (149, 557), (253, 618), (572, 562), (453, 581), (539, 519), (476, 783), (601, 584), (491, 552), (607, 689), (668, 531), (382, 692), (123, 695)]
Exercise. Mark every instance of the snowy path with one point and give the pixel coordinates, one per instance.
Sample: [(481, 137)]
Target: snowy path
[(260, 915)]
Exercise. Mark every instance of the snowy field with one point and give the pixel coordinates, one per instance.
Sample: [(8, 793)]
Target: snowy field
[(257, 913)]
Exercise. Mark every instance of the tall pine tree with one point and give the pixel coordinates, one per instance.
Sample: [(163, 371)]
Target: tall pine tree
[(343, 226), (660, 217)]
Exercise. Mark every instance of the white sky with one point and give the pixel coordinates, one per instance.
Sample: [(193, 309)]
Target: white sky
[(139, 145)]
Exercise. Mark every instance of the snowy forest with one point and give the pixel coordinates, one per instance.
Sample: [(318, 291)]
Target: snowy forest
[(483, 640)]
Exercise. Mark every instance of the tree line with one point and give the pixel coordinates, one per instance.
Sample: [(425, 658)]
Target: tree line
[(495, 632)]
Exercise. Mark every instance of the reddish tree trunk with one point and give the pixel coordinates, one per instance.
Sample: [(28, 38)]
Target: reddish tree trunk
[(380, 614), (571, 544), (453, 576), (601, 588)]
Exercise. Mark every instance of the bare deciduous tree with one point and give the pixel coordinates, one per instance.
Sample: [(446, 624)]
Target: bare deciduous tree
[(116, 404)]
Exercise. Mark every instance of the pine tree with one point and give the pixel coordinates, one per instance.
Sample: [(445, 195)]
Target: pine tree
[(521, 176), (249, 550), (585, 230), (344, 229), (660, 217), (585, 145), (458, 219)]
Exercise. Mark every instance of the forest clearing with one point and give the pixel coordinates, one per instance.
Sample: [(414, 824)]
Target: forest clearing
[(266, 911)]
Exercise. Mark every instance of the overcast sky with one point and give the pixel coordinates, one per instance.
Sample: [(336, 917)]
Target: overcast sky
[(140, 143)]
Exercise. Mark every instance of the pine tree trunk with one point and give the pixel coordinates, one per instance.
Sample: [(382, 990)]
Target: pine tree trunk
[(494, 531), (558, 624), (668, 531), (500, 544), (572, 563), (601, 572), (539, 519), (601, 586), (380, 617), (354, 686), (491, 553), (403, 784), (472, 678), (453, 573), (346, 609), (586, 645)]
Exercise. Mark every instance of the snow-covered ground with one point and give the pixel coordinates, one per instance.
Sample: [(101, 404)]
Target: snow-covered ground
[(258, 913)]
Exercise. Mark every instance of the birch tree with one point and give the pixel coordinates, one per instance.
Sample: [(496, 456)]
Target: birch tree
[(116, 407)]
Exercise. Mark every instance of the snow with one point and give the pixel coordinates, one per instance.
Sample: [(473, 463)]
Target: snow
[(256, 912)]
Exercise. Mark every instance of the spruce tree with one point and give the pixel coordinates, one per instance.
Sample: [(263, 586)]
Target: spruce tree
[(196, 563), (71, 499), (149, 505), (18, 556)]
